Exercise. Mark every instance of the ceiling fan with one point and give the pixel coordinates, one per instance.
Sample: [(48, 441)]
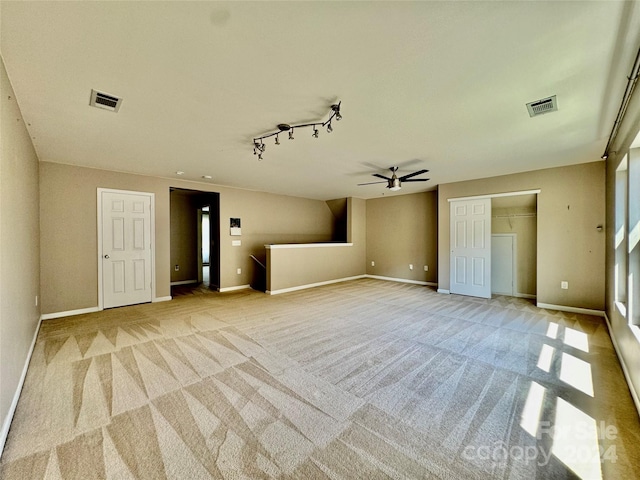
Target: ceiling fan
[(394, 183)]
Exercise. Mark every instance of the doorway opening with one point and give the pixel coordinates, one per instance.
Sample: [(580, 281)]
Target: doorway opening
[(204, 246), (195, 239), (514, 239)]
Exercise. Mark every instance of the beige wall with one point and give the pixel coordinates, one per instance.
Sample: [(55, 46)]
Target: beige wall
[(525, 228), (184, 237), (294, 267), (570, 207), (402, 230), (19, 246), (69, 224)]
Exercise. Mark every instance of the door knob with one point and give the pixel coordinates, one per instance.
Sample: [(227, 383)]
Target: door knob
[(106, 256)]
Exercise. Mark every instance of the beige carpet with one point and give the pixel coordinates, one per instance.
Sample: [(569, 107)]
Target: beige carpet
[(364, 379)]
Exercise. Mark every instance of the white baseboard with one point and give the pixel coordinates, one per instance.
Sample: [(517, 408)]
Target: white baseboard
[(442, 290), (14, 403), (233, 289), (69, 313), (311, 285), (402, 280), (625, 370), (162, 299), (184, 282), (563, 308)]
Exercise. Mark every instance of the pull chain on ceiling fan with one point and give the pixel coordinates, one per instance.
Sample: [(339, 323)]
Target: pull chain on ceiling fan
[(395, 183)]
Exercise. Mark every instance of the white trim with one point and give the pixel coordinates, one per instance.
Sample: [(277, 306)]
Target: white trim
[(184, 282), (307, 245), (69, 313), (152, 226), (161, 299), (563, 308), (14, 403), (311, 285), (442, 290), (402, 280), (525, 295), (625, 370), (495, 195), (233, 289)]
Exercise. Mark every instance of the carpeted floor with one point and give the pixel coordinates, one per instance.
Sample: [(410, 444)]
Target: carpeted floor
[(358, 380)]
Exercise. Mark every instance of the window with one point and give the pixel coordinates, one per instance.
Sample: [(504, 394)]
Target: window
[(633, 238), (621, 236)]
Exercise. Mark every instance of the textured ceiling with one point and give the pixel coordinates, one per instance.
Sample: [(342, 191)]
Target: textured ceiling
[(435, 85)]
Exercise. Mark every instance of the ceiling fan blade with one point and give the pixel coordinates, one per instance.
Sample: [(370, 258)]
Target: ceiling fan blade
[(404, 165), (381, 176), (370, 183), (417, 180), (419, 172)]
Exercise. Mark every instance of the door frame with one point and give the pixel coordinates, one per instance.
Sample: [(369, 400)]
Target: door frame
[(514, 260), (152, 198), (474, 197)]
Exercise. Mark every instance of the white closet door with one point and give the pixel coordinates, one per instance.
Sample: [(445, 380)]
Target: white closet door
[(470, 269)]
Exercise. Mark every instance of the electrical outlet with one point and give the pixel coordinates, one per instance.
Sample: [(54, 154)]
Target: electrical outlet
[(177, 268), (411, 266), (426, 268), (239, 271), (373, 264), (564, 285)]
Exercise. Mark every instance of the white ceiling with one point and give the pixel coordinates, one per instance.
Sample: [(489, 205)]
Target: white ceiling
[(435, 85)]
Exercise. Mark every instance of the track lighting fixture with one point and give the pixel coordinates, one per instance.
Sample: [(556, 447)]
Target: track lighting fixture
[(258, 142)]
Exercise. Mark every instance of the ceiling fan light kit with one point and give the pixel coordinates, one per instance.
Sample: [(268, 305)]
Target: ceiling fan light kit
[(258, 142), (394, 183)]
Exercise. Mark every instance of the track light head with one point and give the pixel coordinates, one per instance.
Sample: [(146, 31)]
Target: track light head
[(315, 132), (336, 111), (291, 134), (329, 128), (277, 140)]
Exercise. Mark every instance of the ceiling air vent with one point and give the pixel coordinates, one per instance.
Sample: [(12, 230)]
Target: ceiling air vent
[(540, 107), (104, 100)]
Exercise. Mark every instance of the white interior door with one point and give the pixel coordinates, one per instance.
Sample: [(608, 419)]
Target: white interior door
[(503, 264), (126, 248), (470, 269)]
